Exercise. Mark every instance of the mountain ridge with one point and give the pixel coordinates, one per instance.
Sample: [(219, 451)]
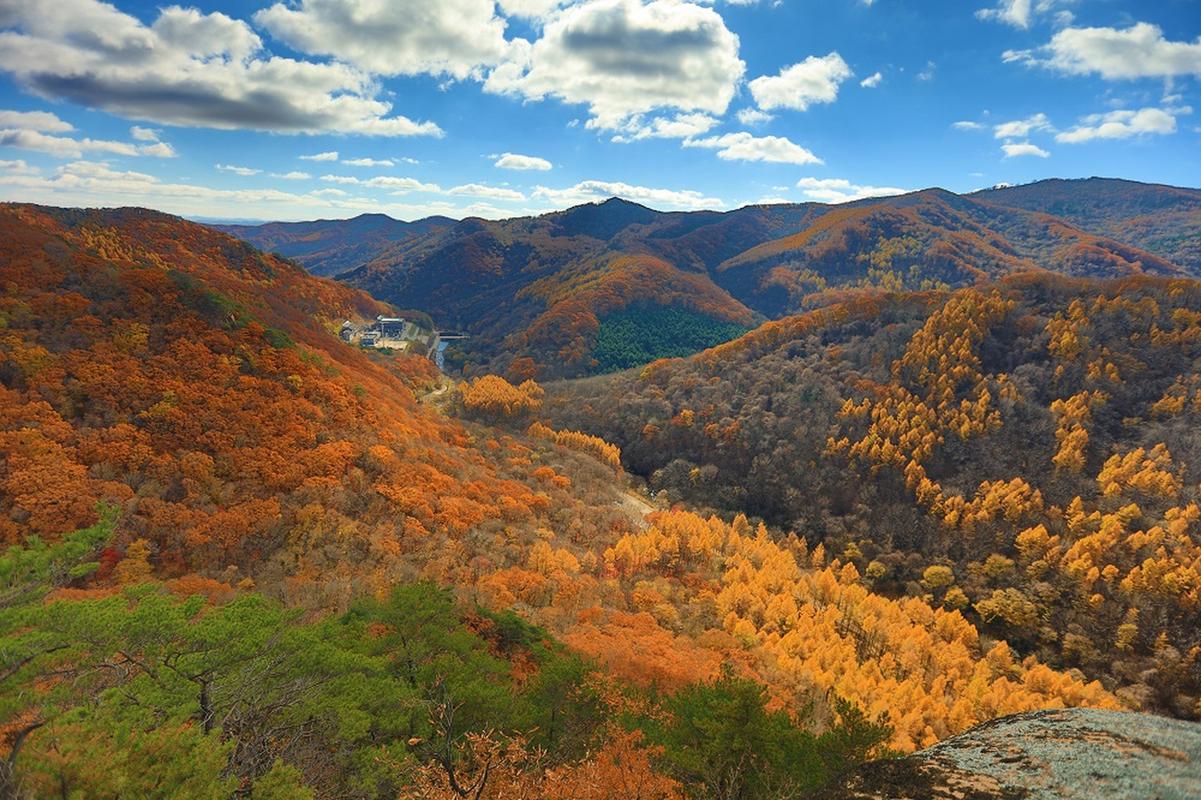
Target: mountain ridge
[(539, 293)]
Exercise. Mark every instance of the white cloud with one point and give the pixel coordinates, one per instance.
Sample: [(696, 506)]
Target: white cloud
[(681, 126), (144, 134), (591, 191), (1011, 12), (18, 167), (872, 81), (236, 170), (158, 150), (927, 73), (87, 183), (480, 190), (295, 175), (331, 155), (1021, 128), (187, 68), (743, 146), (753, 116), (840, 190), (814, 80), (402, 185), (42, 121), (1123, 125), (530, 9), (966, 125), (518, 161), (1140, 51), (398, 185), (627, 57), (397, 37), (67, 147), (368, 162), (1022, 13), (1016, 149)]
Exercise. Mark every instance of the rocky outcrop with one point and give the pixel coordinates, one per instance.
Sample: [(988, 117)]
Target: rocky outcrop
[(1063, 754)]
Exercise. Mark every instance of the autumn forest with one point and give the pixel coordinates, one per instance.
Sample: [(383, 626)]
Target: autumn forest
[(705, 505)]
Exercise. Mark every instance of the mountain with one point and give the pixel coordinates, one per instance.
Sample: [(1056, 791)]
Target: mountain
[(930, 239), (535, 292), (245, 557), (1072, 754), (1165, 220), (609, 285), (1022, 451), (327, 247)]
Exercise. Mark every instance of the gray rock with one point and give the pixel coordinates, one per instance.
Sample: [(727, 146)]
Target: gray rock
[(1065, 754)]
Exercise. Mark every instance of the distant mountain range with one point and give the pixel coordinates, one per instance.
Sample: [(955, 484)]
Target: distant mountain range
[(604, 285)]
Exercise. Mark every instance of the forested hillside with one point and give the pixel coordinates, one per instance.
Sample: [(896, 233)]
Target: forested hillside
[(548, 296), (244, 557), (1025, 453), (1163, 219)]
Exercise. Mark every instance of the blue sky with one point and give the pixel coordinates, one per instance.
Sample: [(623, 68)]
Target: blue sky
[(470, 107)]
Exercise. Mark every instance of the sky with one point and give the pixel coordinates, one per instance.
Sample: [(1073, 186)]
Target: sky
[(306, 109)]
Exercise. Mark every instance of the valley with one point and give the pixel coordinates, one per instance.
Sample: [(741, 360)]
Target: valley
[(848, 481)]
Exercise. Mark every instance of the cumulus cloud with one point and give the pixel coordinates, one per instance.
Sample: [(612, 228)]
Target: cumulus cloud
[(1011, 12), (42, 121), (966, 125), (99, 184), (681, 126), (872, 81), (398, 37), (17, 167), (236, 170), (68, 147), (331, 155), (144, 134), (814, 80), (491, 192), (294, 175), (397, 185), (840, 190), (187, 68), (530, 9), (622, 58), (591, 191), (1123, 125), (743, 146), (1140, 51), (369, 162), (520, 162), (753, 116), (1022, 13), (1017, 149), (1021, 128), (158, 150)]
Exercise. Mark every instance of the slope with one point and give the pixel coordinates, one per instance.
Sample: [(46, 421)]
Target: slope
[(257, 474), (1166, 220), (930, 239), (1023, 452), (552, 296)]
